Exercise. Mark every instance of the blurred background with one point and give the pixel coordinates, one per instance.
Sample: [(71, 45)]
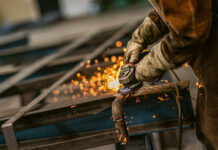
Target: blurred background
[(32, 30), (15, 15)]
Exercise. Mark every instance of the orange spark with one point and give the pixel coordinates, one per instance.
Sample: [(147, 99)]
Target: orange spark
[(120, 138), (96, 61), (137, 100), (113, 59), (72, 106), (76, 82), (143, 51), (55, 99), (88, 61), (154, 116), (78, 75), (186, 65), (160, 98), (125, 139), (106, 59), (56, 92), (119, 44)]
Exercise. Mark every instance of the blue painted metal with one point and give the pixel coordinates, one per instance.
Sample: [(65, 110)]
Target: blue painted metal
[(28, 56), (18, 42), (135, 113)]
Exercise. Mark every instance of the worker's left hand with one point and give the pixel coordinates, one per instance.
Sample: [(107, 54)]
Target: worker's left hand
[(133, 52), (153, 65)]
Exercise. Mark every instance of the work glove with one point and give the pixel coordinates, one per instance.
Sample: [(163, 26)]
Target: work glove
[(153, 65), (147, 33)]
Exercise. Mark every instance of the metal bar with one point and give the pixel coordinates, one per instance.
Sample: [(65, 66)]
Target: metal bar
[(160, 88), (54, 114), (12, 37), (23, 73), (92, 138), (11, 142)]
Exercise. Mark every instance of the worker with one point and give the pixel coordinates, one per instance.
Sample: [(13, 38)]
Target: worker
[(185, 31)]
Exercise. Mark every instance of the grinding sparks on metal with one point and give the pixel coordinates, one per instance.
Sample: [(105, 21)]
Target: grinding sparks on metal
[(103, 81)]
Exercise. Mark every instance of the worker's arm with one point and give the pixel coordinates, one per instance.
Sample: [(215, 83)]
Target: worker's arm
[(189, 26), (150, 31)]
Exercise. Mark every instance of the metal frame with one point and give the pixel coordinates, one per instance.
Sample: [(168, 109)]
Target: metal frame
[(89, 106), (44, 61), (7, 127), (100, 138)]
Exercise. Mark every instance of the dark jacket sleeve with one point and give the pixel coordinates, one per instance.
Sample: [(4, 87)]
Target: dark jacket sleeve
[(189, 25)]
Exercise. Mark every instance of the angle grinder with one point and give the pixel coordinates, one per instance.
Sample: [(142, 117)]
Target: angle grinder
[(127, 78)]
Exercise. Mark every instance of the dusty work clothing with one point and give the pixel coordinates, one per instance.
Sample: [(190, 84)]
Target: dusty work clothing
[(190, 34)]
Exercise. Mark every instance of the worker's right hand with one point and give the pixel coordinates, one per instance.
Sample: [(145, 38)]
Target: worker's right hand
[(133, 52)]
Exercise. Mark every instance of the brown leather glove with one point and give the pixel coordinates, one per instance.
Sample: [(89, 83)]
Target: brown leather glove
[(147, 33), (153, 65)]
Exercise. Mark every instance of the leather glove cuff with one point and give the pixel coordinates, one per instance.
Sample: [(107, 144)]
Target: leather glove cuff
[(153, 65)]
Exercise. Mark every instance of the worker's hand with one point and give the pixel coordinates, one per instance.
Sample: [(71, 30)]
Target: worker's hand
[(133, 52), (127, 74), (153, 65), (127, 78), (147, 33)]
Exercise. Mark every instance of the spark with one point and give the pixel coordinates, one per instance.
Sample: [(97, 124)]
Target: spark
[(119, 44), (72, 106), (56, 92), (96, 61), (55, 99), (124, 49), (137, 100), (102, 81), (106, 59), (160, 98), (186, 65), (154, 116)]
